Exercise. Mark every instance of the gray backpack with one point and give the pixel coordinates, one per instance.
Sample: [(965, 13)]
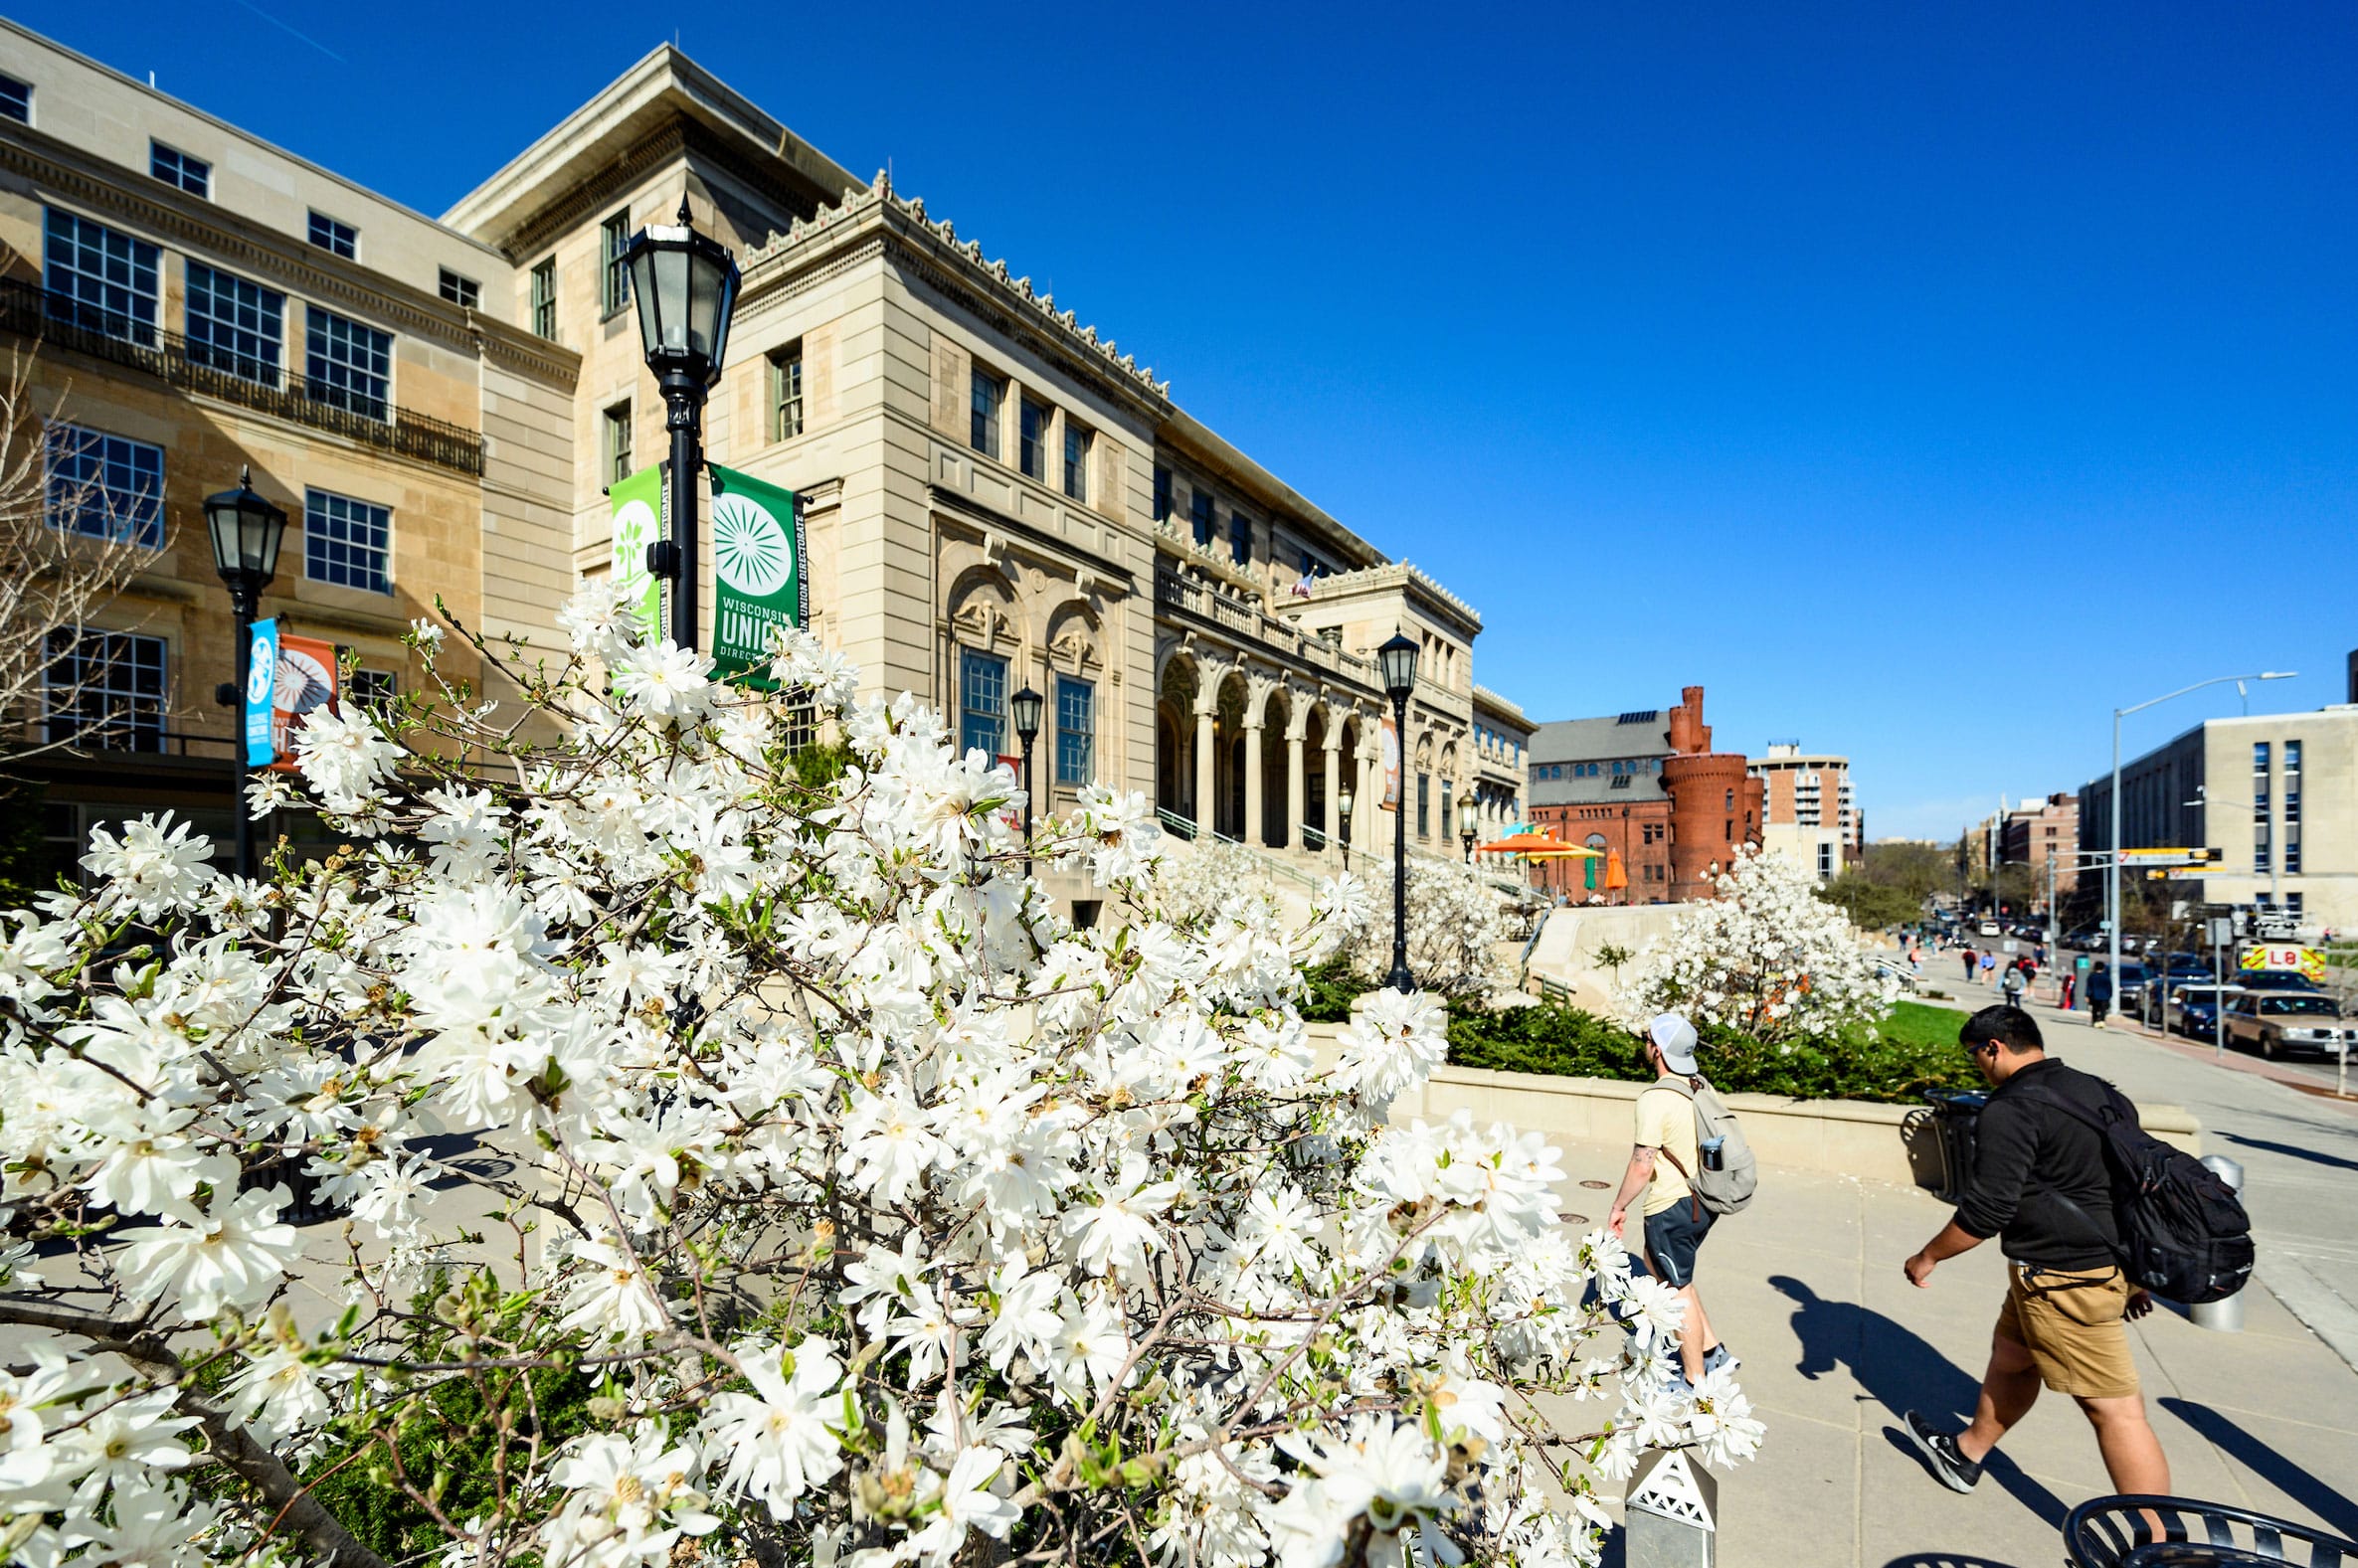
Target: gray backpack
[(1731, 1187)]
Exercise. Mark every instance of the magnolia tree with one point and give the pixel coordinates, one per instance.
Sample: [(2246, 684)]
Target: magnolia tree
[(623, 1154), (1212, 876), (1456, 921), (1767, 956)]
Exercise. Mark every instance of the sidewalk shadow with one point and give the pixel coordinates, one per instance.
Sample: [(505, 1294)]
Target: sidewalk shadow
[(1901, 1371), (2319, 1497), (2294, 1149), (1943, 1560)]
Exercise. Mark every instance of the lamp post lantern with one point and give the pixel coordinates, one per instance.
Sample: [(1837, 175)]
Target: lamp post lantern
[(247, 531), (1343, 802), (1469, 826), (1025, 707), (685, 284), (1397, 661)]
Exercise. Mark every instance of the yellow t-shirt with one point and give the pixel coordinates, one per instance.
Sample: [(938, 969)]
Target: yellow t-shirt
[(1666, 1120)]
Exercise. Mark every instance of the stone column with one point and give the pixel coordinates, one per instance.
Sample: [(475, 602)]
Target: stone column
[(1333, 815), (1371, 811), (1205, 776), (1297, 802), (1250, 828)]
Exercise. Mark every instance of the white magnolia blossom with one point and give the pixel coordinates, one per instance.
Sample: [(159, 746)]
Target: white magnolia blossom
[(1457, 923), (1767, 956), (620, 1151)]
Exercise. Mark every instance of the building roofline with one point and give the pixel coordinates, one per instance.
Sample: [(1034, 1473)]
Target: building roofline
[(244, 135), (662, 72)]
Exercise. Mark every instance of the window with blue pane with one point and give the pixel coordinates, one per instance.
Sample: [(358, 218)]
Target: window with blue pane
[(1202, 504), (1077, 731), (335, 236), (174, 167), (234, 325), (16, 100), (1240, 538), (346, 542), (99, 279), (981, 704), (349, 366), (105, 486), (106, 689)]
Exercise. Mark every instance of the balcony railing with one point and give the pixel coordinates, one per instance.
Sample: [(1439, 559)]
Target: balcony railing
[(1238, 614), (33, 311)]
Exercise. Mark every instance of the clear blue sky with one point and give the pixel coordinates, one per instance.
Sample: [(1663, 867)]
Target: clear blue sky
[(1923, 381)]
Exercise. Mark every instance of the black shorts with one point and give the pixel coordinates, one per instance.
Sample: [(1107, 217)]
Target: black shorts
[(1671, 1239)]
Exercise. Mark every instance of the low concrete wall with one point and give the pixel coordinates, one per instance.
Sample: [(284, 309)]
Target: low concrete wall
[(1844, 1137)]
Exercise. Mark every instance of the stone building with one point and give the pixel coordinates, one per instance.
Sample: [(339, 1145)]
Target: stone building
[(993, 494), (2045, 838), (194, 300), (2275, 793)]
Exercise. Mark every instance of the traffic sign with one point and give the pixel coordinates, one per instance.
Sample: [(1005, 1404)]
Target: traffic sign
[(2169, 857)]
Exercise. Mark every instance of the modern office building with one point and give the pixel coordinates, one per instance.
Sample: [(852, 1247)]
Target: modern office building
[(993, 494), (2276, 794), (2044, 840), (1807, 809)]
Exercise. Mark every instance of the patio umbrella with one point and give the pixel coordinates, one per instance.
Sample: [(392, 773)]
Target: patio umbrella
[(1536, 846), (1616, 874)]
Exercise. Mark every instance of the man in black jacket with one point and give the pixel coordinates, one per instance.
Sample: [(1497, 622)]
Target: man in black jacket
[(2042, 1186)]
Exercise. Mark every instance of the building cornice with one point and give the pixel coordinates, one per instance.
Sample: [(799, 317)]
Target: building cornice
[(56, 166), (1484, 697), (1410, 580)]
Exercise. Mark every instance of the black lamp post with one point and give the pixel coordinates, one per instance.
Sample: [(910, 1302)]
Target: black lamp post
[(1026, 705), (1469, 824), (247, 531), (1397, 660), (686, 286), (1343, 802)]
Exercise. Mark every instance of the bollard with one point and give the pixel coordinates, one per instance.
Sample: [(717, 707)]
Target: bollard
[(2227, 1316), (1672, 1517)]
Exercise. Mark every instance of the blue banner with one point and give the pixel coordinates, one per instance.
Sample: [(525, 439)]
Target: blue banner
[(262, 678)]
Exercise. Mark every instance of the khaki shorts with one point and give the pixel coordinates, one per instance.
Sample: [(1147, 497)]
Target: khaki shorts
[(2071, 1320)]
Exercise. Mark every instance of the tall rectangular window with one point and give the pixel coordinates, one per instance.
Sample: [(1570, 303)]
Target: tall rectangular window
[(618, 443), (174, 167), (234, 325), (1200, 504), (1162, 493), (983, 413), (614, 278), (544, 299), (981, 703), (1424, 786), (459, 290), (105, 486), (99, 279), (105, 689), (348, 365), (1031, 439), (16, 100), (372, 689), (1077, 731), (1240, 538), (786, 393), (346, 542), (335, 236), (1076, 462)]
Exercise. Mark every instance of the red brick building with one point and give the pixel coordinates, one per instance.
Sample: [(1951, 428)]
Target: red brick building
[(1608, 784)]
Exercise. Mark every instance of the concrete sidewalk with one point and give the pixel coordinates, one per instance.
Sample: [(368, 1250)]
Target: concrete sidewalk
[(1806, 1286)]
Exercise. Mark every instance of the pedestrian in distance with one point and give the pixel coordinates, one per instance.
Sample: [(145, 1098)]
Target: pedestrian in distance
[(1672, 1216), (1972, 963), (2099, 992), (2012, 984), (2070, 985), (1916, 959), (2042, 1186), (1989, 964)]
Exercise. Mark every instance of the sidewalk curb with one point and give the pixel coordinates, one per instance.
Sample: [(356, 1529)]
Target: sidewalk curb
[(2321, 1310)]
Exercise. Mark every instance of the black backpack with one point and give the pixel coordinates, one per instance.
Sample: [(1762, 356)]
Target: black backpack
[(2184, 1235)]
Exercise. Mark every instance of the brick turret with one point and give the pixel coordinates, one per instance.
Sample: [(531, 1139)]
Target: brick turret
[(1715, 803)]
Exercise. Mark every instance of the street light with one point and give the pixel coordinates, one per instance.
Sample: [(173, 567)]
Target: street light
[(1469, 826), (1343, 802), (2112, 801), (686, 286), (247, 531), (1026, 705), (1397, 660)]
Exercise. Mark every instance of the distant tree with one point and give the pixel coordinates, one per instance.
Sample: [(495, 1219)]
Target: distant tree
[(1872, 905)]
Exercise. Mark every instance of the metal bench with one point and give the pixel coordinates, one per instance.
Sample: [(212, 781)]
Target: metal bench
[(2115, 1532)]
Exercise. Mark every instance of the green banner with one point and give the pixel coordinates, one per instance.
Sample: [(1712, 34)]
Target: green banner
[(758, 576), (641, 513)]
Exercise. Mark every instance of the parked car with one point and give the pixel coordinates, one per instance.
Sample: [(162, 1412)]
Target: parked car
[(1989, 928), (2279, 980), (2128, 987), (2278, 1023), (2194, 1008)]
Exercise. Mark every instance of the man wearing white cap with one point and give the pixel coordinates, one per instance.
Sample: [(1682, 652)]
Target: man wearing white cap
[(1675, 1220)]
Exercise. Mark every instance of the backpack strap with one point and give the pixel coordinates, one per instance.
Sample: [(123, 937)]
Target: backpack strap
[(1680, 1086), (2094, 1123)]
